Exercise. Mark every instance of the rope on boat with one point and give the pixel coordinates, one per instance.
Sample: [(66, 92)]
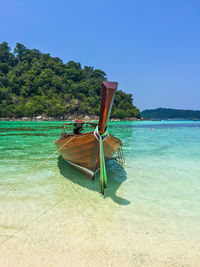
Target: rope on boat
[(103, 175), (34, 170)]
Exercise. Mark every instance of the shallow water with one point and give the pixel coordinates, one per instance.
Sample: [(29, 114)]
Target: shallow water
[(155, 193)]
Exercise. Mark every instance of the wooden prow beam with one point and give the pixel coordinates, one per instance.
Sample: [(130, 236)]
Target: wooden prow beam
[(108, 91)]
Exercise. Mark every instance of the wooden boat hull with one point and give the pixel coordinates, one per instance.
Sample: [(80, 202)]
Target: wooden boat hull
[(82, 151)]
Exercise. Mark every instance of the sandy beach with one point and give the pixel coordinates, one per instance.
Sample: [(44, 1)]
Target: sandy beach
[(121, 247)]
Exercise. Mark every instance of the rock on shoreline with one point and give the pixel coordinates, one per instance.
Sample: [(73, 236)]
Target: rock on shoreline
[(65, 118)]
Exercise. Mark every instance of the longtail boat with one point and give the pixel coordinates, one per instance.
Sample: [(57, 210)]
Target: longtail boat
[(88, 152)]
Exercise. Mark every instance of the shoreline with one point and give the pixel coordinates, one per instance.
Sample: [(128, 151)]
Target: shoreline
[(69, 118), (86, 119)]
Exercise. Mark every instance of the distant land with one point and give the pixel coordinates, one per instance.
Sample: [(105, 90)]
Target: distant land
[(167, 113), (34, 84)]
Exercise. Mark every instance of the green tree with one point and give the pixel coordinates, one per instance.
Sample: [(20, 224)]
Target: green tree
[(20, 50)]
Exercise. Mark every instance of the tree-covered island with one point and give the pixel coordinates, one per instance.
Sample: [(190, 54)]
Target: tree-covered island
[(170, 114), (33, 83)]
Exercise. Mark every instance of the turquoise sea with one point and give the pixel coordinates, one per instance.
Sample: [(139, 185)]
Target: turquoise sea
[(151, 207)]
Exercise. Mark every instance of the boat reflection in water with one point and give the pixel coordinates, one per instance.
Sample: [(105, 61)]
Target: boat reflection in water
[(115, 171)]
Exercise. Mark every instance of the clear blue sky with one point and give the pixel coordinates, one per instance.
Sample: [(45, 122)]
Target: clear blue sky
[(152, 48)]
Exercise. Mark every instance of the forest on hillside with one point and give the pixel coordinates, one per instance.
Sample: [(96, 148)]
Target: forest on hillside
[(167, 113), (33, 83)]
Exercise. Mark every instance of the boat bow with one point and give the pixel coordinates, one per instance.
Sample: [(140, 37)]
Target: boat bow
[(108, 91)]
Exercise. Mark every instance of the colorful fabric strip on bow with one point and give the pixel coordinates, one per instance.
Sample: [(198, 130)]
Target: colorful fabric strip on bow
[(103, 176)]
